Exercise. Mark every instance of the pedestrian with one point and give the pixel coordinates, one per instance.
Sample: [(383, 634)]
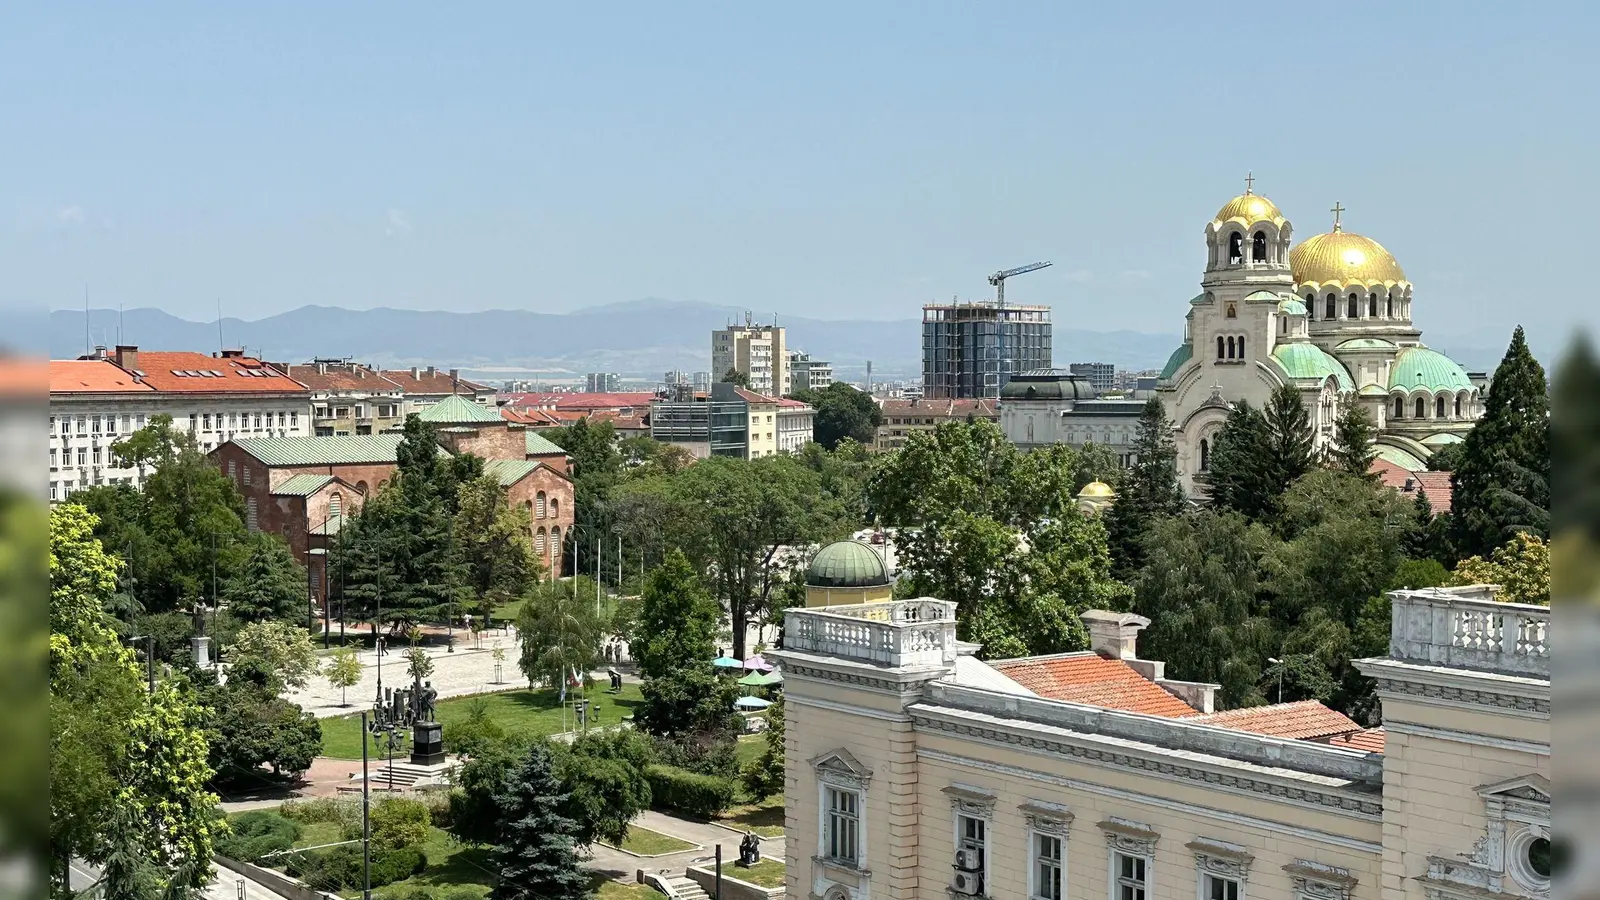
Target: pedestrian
[(382, 646)]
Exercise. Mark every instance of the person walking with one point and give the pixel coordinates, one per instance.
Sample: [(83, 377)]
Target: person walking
[(383, 646)]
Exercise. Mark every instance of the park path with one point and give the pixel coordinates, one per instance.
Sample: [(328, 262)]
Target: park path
[(621, 866)]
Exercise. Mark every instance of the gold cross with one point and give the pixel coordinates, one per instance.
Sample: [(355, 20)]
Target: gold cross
[(1337, 210), (1249, 181)]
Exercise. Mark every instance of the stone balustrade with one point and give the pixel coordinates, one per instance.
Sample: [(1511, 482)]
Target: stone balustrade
[(1465, 628), (899, 633)]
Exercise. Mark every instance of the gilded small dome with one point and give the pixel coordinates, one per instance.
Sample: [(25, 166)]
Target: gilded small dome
[(1097, 490), (1250, 208), (1343, 258)]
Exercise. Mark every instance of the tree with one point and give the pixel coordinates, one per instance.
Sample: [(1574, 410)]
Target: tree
[(496, 552), (1502, 481), (560, 636), (475, 804), (270, 585), (1150, 490), (1289, 436), (419, 665), (604, 776), (678, 620), (734, 376), (690, 712), (250, 726), (967, 466), (536, 855), (596, 471), (280, 650), (148, 447), (1521, 567), (343, 671), (1240, 475), (1352, 448), (763, 777), (843, 412)]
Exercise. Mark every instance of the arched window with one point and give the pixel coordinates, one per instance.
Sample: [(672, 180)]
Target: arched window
[(555, 546), (1241, 346), (539, 538), (335, 504), (1311, 306), (361, 488), (1399, 407), (555, 507), (1231, 351), (1438, 407), (1353, 308), (1333, 309), (1258, 247), (538, 505), (1235, 248), (250, 520), (1422, 408), (1219, 348), (1372, 306), (1283, 324), (1458, 406), (1390, 312), (1205, 455)]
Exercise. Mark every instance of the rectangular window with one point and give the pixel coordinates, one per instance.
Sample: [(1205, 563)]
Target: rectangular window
[(205, 422), (54, 486), (94, 423), (1047, 867), (1130, 872), (83, 424), (141, 420), (233, 420), (1218, 888), (52, 424), (233, 469), (127, 422), (247, 475), (972, 843), (83, 456), (322, 412), (258, 421), (97, 456), (52, 457), (844, 820), (250, 521), (294, 420)]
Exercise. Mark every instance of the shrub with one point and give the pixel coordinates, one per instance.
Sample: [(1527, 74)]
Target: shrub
[(257, 833), (346, 812), (389, 866), (677, 790), (340, 867), (440, 814), (399, 822), (477, 734)]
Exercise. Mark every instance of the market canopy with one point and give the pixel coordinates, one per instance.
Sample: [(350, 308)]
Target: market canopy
[(727, 662), (758, 663), (761, 679), (752, 703)]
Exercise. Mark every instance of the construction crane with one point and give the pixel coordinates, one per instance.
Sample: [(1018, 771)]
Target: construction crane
[(998, 279)]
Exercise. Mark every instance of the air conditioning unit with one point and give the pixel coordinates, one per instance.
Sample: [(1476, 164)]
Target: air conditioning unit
[(969, 883), (967, 860)]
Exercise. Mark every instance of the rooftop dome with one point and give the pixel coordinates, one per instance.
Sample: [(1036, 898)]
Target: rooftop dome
[(1343, 258), (1303, 360), (1421, 368), (1292, 307), (1183, 354), (1097, 489), (846, 564), (1048, 384), (1250, 208)]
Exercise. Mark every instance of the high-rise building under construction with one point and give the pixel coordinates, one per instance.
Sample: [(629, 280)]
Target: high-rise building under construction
[(970, 350)]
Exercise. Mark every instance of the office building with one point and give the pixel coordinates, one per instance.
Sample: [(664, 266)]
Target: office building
[(348, 398), (1052, 406), (729, 420), (602, 382), (969, 350), (903, 418), (807, 374), (1102, 376), (756, 351)]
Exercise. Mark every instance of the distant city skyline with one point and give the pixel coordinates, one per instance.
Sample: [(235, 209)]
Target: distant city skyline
[(847, 162)]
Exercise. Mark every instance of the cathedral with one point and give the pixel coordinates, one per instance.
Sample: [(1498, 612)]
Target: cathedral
[(1330, 315)]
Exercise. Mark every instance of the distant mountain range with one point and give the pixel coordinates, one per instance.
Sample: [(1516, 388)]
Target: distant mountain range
[(641, 339)]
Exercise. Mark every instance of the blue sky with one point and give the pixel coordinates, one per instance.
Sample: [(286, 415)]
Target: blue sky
[(832, 159)]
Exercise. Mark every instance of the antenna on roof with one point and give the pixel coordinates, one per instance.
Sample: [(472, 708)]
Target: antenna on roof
[(220, 345), (88, 342)]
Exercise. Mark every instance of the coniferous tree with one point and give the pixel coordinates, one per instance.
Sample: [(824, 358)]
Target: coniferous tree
[(1502, 483), (270, 586), (1290, 437), (536, 854), (1352, 449), (1150, 490), (1242, 475)]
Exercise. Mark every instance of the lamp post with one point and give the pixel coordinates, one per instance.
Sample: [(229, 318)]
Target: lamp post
[(1279, 663)]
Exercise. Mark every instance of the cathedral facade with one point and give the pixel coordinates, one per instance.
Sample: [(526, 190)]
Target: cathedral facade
[(1330, 315)]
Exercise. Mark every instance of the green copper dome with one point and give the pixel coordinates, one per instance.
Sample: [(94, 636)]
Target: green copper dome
[(1365, 344), (1420, 368), (1303, 360), (1262, 297), (1292, 307), (1175, 362), (846, 564)]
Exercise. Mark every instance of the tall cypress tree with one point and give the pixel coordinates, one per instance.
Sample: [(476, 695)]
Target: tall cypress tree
[(1242, 474), (1502, 484), (1290, 438), (536, 855), (1352, 450), (1150, 490)]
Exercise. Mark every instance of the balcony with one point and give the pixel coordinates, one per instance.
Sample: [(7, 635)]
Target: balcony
[(900, 633), (1465, 628)]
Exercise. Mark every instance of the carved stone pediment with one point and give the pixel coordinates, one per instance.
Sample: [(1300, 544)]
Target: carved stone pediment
[(841, 768), (971, 801), (1130, 837)]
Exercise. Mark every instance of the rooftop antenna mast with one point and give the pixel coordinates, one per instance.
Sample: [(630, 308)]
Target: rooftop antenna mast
[(998, 279), (88, 342), (220, 346)]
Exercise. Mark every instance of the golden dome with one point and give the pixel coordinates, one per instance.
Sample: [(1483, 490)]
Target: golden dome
[(1342, 258), (1250, 208), (1097, 489)]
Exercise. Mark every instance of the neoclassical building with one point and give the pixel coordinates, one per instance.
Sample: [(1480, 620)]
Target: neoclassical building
[(916, 770), (1330, 315)]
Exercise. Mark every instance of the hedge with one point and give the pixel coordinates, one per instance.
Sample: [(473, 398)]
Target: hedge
[(681, 791), (340, 867), (257, 833)]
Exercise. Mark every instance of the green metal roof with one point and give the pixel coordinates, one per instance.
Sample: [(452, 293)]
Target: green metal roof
[(846, 564), (302, 485), (509, 471), (1303, 360), (1374, 390), (456, 409), (1399, 457), (1292, 307), (1442, 439), (1198, 299), (1183, 354), (539, 445), (322, 451), (1365, 344), (1262, 297), (1420, 368)]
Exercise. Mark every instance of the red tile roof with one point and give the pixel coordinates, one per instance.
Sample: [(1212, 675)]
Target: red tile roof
[(340, 378), (788, 403), (1371, 740), (948, 408), (234, 374), (750, 396), (1094, 680), (77, 376), (580, 400), (537, 418), (1302, 720), (435, 382), (1435, 484)]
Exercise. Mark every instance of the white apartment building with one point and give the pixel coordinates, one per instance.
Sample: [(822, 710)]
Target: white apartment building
[(807, 374), (796, 425), (756, 351), (97, 401)]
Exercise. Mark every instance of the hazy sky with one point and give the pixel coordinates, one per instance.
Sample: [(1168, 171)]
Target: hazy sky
[(843, 159)]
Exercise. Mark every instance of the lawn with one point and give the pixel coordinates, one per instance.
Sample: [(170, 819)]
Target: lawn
[(531, 712), (750, 748), (764, 818), (768, 873), (644, 842), (606, 889), (451, 864)]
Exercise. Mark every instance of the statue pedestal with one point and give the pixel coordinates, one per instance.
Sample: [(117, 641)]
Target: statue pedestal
[(427, 744), (201, 647)]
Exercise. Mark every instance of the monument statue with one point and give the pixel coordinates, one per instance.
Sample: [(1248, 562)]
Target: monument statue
[(199, 619), (425, 702), (749, 850)]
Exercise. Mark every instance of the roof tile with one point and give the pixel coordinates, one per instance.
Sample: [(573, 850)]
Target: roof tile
[(1370, 740), (340, 377), (1301, 720), (78, 376), (185, 372), (1093, 680)]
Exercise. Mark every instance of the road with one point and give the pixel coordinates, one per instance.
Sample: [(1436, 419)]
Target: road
[(225, 886)]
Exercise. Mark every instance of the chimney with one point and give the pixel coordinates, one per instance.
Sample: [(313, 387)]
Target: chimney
[(432, 371), (322, 368), (455, 376), (1114, 635), (415, 373), (233, 354), (127, 356)]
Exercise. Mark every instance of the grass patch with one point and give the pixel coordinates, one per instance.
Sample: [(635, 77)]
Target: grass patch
[(606, 889), (319, 834), (451, 864), (645, 842), (765, 818), (518, 712), (769, 873), (749, 749)]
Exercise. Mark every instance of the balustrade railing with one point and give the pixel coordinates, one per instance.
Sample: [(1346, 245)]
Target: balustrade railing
[(896, 633), (1465, 627)]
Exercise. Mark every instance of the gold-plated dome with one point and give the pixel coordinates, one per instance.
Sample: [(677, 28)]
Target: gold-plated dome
[(1097, 489), (1250, 208), (1343, 258)]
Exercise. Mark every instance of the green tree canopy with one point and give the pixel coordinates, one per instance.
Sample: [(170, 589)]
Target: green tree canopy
[(678, 620), (536, 857), (843, 413), (497, 555), (560, 635), (1502, 481), (1242, 476), (1149, 491), (270, 584), (1352, 449)]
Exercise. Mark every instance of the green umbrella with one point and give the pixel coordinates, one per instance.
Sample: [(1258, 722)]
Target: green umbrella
[(761, 679)]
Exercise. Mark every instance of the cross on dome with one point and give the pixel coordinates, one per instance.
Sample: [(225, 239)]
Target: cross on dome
[(1249, 182), (1337, 211)]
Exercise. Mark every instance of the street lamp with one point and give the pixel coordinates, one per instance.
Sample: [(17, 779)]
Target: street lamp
[(1279, 663)]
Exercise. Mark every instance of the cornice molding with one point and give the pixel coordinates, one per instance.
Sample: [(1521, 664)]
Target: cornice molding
[(1462, 695), (900, 685), (1280, 788)]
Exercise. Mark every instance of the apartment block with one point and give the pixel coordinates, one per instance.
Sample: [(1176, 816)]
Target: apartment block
[(348, 398), (970, 350), (756, 351), (807, 374)]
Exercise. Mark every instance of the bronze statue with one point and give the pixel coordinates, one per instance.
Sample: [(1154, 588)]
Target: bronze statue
[(749, 850)]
